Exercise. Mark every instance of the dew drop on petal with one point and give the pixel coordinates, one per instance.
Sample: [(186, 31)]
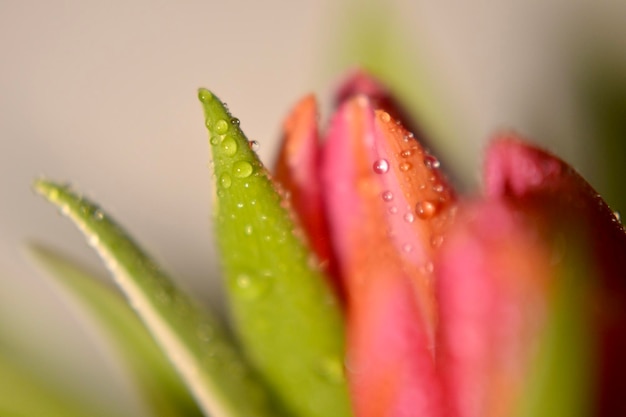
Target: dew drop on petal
[(409, 217), (436, 241), (431, 162), (234, 121), (407, 247), (425, 209), (438, 188), (381, 166), (617, 216), (387, 196), (405, 166), (229, 146), (406, 153), (385, 117), (248, 230), (393, 209), (214, 140), (221, 126), (242, 169)]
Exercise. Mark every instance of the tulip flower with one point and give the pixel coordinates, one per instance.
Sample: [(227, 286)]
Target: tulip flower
[(359, 282), (446, 301)]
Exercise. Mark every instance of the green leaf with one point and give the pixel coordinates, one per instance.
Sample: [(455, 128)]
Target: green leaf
[(200, 349), (23, 394), (160, 385), (287, 317)]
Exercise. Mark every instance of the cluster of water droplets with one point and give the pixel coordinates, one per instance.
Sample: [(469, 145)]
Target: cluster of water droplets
[(228, 146), (432, 188)]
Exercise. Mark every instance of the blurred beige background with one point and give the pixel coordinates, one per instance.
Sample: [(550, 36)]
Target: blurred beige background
[(103, 94)]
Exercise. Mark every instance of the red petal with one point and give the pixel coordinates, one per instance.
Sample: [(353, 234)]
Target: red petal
[(382, 257), (543, 183)]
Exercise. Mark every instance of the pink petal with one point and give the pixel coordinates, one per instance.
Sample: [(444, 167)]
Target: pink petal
[(389, 292), (492, 277)]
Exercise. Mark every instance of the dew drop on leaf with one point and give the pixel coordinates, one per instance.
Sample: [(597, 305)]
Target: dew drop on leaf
[(221, 126), (252, 286), (205, 95), (225, 181), (242, 169), (229, 146), (331, 370)]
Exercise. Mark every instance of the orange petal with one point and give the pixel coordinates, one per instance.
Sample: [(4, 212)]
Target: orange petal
[(383, 255), (297, 171)]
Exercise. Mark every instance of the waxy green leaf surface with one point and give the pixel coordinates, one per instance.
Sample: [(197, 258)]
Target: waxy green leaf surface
[(286, 315), (206, 358), (153, 374)]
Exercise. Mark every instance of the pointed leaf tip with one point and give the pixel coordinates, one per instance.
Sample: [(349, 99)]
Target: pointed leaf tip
[(284, 311)]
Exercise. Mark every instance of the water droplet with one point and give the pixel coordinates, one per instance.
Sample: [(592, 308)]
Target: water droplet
[(381, 166), (254, 145), (427, 268), (225, 181), (431, 162), (393, 209), (436, 241), (98, 215), (407, 247), (331, 370), (406, 153), (229, 146), (387, 196), (405, 166), (214, 140), (385, 117), (409, 217), (438, 188), (617, 216), (252, 286), (242, 169), (426, 209), (221, 126), (240, 205), (234, 121), (205, 95), (248, 230)]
